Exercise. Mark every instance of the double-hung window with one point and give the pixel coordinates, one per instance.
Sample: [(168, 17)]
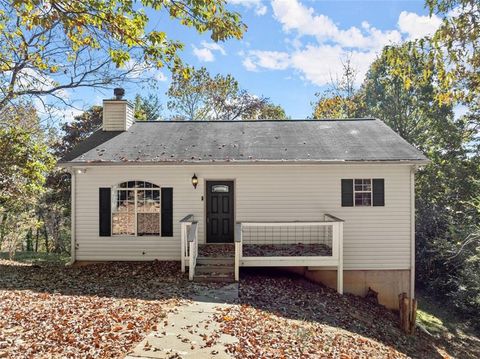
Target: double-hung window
[(136, 209), (362, 192)]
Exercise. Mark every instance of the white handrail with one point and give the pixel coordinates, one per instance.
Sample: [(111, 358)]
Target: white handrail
[(185, 223), (193, 249), (238, 250), (340, 258), (284, 224)]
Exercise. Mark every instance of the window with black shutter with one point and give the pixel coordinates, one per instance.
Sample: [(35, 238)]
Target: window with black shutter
[(363, 192), (167, 212), (378, 192), (136, 208), (105, 199), (347, 192)]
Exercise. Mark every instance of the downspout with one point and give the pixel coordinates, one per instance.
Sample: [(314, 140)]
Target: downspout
[(412, 232), (72, 216)]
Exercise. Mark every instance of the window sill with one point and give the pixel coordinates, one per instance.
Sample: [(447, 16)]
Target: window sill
[(123, 236)]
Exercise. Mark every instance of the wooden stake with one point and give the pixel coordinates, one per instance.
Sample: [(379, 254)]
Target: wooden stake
[(401, 310), (408, 313), (413, 317)]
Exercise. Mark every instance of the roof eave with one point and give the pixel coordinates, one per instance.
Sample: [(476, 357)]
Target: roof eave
[(239, 162)]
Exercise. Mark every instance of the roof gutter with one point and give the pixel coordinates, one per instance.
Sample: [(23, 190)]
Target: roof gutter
[(73, 237), (241, 162), (412, 231)]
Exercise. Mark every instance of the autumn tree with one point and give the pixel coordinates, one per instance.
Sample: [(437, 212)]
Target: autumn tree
[(341, 99), (202, 97), (49, 47), (409, 110), (448, 241), (147, 108), (447, 220), (454, 50), (268, 111), (25, 163)]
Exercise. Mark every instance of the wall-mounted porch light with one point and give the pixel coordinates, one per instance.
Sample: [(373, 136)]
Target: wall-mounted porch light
[(81, 170), (194, 181)]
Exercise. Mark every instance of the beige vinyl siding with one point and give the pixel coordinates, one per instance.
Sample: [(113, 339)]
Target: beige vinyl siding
[(374, 237), (118, 115)]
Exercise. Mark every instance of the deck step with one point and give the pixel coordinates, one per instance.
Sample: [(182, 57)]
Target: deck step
[(215, 261), (214, 269), (214, 278)]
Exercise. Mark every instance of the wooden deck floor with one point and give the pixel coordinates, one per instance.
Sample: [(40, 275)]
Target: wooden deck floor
[(265, 250)]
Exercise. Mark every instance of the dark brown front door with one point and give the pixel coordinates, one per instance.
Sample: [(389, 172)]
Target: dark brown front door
[(220, 216)]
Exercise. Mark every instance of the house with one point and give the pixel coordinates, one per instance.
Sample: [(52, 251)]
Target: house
[(332, 199)]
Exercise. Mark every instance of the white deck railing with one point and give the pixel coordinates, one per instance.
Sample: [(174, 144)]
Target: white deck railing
[(192, 249), (332, 237), (189, 243)]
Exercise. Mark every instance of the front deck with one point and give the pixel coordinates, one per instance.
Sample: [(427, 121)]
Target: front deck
[(271, 244)]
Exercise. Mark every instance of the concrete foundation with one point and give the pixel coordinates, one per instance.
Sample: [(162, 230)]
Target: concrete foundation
[(388, 283)]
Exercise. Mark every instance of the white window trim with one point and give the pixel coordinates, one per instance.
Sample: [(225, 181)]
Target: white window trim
[(371, 192), (114, 191)]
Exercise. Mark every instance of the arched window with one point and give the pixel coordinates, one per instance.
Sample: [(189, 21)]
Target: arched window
[(136, 209)]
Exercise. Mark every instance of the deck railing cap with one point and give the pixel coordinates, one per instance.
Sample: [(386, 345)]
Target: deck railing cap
[(336, 219), (187, 218)]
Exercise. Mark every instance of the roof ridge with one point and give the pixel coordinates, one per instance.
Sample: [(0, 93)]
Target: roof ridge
[(273, 120)]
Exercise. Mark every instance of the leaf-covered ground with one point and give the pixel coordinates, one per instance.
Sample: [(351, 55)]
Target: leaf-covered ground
[(104, 310), (87, 312), (289, 317)]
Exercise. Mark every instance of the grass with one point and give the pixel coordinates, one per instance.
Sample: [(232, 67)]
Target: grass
[(430, 322), (37, 257), (442, 322), (438, 317)]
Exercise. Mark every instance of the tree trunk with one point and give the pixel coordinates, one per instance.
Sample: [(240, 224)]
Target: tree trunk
[(29, 243), (37, 235), (45, 232)]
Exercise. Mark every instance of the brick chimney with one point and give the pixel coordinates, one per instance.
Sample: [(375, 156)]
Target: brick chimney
[(118, 114)]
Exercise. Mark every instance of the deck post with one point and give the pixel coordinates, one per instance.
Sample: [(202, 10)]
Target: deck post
[(184, 223), (238, 250), (183, 239), (340, 257), (192, 240), (191, 262)]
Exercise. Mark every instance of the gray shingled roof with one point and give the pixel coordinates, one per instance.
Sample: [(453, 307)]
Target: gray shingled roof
[(247, 141)]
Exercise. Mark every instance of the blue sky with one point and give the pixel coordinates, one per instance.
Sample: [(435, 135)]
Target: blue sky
[(293, 48)]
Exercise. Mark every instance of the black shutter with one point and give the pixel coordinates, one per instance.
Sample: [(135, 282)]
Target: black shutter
[(167, 212), (378, 192), (105, 199), (347, 192)]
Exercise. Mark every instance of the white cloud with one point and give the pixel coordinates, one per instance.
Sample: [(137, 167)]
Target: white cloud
[(320, 61), (67, 113), (141, 70), (322, 64), (56, 111), (249, 64), (205, 53), (294, 16), (257, 5), (417, 26), (32, 79), (273, 60), (213, 46), (317, 64)]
